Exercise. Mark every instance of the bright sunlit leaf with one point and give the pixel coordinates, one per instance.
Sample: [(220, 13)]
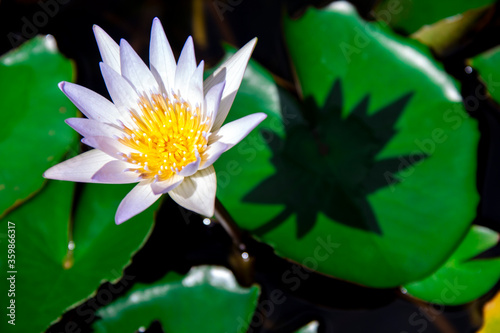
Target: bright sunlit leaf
[(462, 279), (34, 135)]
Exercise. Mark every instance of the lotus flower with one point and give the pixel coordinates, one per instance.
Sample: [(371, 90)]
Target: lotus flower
[(163, 129)]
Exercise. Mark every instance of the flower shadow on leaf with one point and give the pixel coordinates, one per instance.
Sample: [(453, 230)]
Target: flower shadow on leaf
[(331, 167)]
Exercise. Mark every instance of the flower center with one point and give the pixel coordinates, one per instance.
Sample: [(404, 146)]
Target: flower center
[(168, 134)]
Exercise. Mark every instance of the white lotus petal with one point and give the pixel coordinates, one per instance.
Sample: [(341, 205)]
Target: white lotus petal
[(110, 51), (136, 201), (89, 127), (136, 71), (167, 185), (91, 104), (195, 88), (185, 67), (192, 167), (122, 93), (197, 193), (231, 71), (130, 83), (212, 153), (212, 100), (114, 172), (235, 131), (161, 58), (110, 146), (80, 168)]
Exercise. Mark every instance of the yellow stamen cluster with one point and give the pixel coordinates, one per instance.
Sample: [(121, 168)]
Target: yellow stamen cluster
[(167, 133)]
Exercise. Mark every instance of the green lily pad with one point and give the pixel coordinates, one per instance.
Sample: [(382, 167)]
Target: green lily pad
[(208, 299), (34, 135), (54, 274), (410, 15), (488, 66), (462, 279), (381, 165)]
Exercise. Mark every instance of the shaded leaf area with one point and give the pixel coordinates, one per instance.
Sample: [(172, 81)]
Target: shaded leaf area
[(435, 196), (487, 64), (408, 15), (207, 299), (446, 35), (332, 167), (34, 135), (66, 246), (462, 278)]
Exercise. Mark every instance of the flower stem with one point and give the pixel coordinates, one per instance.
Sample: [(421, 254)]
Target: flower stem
[(241, 262), (227, 222)]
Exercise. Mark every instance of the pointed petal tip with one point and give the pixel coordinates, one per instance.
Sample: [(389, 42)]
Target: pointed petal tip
[(208, 211), (61, 85), (69, 121), (119, 219), (98, 32), (122, 215), (253, 42), (260, 116), (52, 173)]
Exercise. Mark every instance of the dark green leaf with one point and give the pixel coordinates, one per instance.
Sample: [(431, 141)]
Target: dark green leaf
[(50, 277), (488, 66), (207, 299), (445, 36), (410, 15)]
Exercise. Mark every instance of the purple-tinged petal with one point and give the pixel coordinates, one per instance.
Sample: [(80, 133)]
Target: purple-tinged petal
[(115, 172), (110, 51), (91, 104), (231, 71), (136, 71), (167, 185), (212, 153), (185, 68), (235, 131), (110, 146), (89, 127), (161, 58), (195, 89), (80, 168), (122, 93), (135, 202), (192, 167), (197, 193), (213, 98)]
